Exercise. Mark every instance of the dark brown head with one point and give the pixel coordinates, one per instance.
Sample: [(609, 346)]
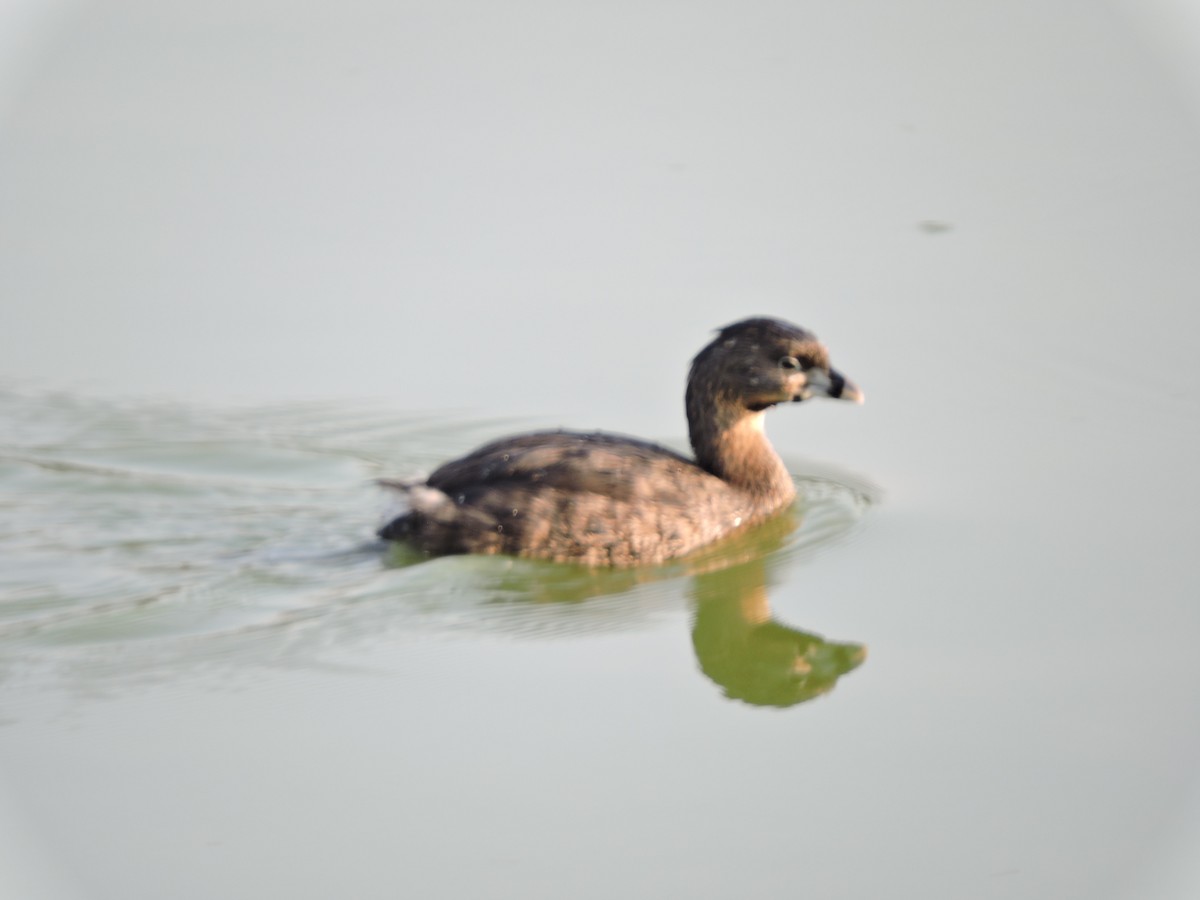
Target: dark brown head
[(756, 363)]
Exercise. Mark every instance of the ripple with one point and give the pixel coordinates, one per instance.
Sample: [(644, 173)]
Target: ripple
[(154, 538)]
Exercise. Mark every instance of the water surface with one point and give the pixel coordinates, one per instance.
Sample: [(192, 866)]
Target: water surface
[(254, 255), (148, 539)]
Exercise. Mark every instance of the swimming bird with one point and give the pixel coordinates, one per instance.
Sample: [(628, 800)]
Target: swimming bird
[(599, 499)]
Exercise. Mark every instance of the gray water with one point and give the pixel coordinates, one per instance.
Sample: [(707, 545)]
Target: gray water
[(254, 256)]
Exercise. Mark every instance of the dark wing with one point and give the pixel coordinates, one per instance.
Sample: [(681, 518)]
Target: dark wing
[(607, 465)]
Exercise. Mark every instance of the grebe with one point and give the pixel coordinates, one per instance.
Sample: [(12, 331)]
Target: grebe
[(606, 500)]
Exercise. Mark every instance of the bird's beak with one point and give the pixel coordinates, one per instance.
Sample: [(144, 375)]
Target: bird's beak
[(831, 384), (844, 389)]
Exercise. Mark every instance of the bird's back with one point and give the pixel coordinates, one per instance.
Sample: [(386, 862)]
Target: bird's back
[(595, 499)]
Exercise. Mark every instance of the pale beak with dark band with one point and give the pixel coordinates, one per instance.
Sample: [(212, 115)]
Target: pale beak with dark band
[(844, 388), (833, 383)]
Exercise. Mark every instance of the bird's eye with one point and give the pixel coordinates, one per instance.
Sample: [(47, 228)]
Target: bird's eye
[(789, 362)]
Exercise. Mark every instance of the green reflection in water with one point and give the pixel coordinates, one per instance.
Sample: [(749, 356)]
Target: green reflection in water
[(751, 656)]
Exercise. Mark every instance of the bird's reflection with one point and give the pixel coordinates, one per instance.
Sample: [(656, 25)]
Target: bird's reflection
[(750, 655), (753, 657)]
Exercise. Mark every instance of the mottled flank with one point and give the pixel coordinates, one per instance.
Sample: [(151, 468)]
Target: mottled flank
[(606, 500), (597, 499)]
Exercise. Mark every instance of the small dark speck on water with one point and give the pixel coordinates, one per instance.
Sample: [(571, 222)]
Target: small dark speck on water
[(929, 226)]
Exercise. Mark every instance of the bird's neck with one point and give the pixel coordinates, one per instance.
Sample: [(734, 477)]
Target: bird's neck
[(732, 445)]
